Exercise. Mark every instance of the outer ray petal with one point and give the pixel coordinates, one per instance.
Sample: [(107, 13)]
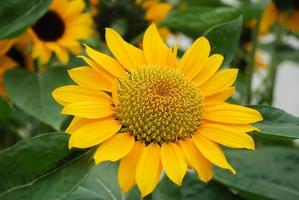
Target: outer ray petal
[(232, 114), (196, 160), (221, 80), (211, 151), (88, 133), (237, 128), (89, 78), (210, 67), (75, 121), (173, 162), (195, 57), (226, 137), (115, 148), (155, 50), (220, 97), (103, 73), (128, 55), (89, 109), (74, 93), (148, 169), (127, 167), (107, 62)]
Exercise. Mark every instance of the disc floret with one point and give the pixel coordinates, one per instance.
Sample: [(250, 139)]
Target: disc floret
[(158, 104)]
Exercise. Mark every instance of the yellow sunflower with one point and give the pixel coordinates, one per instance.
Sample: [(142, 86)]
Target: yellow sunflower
[(155, 112), (156, 11), (60, 30), (14, 53), (279, 11)]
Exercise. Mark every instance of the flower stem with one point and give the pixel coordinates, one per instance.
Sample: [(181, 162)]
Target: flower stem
[(251, 63), (274, 65)]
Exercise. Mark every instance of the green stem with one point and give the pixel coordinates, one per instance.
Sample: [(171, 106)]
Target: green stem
[(274, 65), (251, 62)]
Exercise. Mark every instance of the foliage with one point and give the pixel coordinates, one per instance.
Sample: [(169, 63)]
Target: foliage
[(34, 165)]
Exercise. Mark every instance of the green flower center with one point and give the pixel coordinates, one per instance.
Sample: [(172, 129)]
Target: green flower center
[(158, 104)]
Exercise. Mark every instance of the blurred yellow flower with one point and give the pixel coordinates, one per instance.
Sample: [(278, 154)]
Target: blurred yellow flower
[(156, 11), (60, 30), (163, 113), (14, 53), (274, 14)]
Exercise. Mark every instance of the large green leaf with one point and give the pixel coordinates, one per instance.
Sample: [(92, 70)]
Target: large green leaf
[(224, 38), (277, 124), (32, 93), (192, 189), (268, 173), (5, 109), (102, 184), (196, 20), (17, 15), (41, 168)]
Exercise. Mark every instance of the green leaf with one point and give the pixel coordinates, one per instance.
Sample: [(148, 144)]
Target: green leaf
[(224, 38), (192, 189), (17, 15), (41, 168), (5, 109), (102, 184), (32, 93), (203, 2), (277, 124), (199, 19), (268, 173)]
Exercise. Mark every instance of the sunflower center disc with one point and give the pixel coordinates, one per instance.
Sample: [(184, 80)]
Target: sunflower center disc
[(50, 27), (17, 56), (158, 104)]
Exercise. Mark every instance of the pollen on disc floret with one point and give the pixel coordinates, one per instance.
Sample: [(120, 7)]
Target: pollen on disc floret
[(158, 104)]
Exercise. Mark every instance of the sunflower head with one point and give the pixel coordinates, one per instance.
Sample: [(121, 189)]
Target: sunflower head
[(60, 30), (155, 112), (158, 104), (14, 53)]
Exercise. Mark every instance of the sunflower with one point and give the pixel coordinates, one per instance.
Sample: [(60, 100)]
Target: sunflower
[(156, 11), (14, 53), (154, 112), (286, 12), (60, 30)]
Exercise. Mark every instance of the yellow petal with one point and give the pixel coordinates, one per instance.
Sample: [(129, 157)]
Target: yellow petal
[(148, 169), (127, 167), (173, 162), (89, 109), (115, 148), (155, 50), (219, 97), (128, 55), (195, 57), (221, 80), (211, 151), (210, 67), (74, 93), (196, 160), (226, 137), (105, 61), (102, 72), (232, 114), (88, 133), (89, 78), (75, 121), (244, 128)]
